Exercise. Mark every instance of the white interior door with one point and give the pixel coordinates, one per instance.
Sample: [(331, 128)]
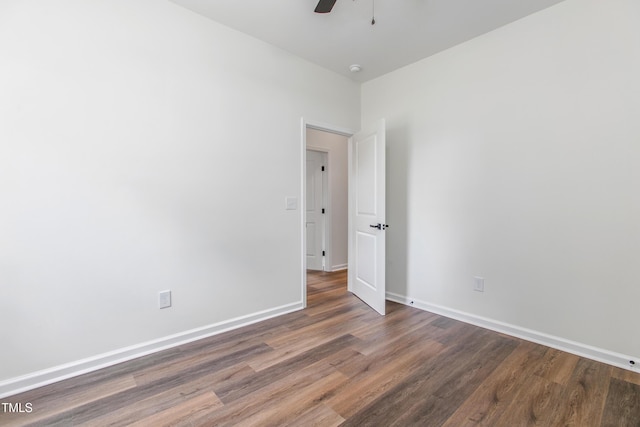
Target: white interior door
[(367, 225), (315, 224)]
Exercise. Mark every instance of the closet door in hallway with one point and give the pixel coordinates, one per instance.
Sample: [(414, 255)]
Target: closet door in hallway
[(315, 214)]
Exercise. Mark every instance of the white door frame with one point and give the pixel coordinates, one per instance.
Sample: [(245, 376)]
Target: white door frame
[(304, 125)]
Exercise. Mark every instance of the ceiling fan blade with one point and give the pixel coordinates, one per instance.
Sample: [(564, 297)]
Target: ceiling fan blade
[(325, 6)]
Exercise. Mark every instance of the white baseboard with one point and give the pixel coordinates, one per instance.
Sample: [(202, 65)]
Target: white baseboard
[(579, 349), (44, 377), (339, 267)]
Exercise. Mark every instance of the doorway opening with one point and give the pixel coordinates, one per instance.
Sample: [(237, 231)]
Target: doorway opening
[(324, 226)]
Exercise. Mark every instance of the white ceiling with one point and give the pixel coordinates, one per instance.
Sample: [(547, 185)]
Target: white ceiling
[(405, 30)]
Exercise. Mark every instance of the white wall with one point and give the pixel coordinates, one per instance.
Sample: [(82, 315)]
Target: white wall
[(336, 147), (142, 148), (515, 157)]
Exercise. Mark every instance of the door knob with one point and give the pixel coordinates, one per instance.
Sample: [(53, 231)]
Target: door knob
[(379, 226)]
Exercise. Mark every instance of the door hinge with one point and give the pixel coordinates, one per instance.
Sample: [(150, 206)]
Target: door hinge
[(322, 253), (322, 210), (323, 169)]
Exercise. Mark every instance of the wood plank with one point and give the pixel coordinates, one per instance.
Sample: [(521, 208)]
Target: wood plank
[(557, 366), (276, 393), (246, 386), (536, 403), (318, 416), (585, 394), (626, 375), (138, 409), (380, 351), (335, 300), (291, 346), (57, 399), (182, 412), (296, 404), (475, 360), (222, 356), (489, 402), (622, 408), (336, 323), (377, 375), (120, 400), (378, 331)]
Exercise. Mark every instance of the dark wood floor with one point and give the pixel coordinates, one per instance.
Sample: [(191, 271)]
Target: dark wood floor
[(339, 363)]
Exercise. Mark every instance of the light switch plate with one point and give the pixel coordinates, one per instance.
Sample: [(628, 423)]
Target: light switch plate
[(478, 284), (291, 203), (164, 299)]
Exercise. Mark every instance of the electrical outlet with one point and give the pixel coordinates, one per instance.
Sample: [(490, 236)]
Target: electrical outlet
[(164, 299), (478, 284)]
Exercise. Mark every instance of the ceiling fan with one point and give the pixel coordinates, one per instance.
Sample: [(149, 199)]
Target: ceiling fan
[(325, 6)]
